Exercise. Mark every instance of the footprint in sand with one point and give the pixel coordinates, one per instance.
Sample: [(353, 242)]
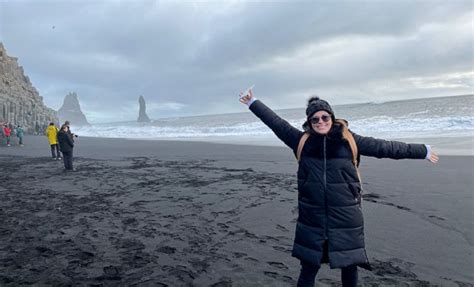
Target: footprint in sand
[(132, 245), (279, 277), (371, 197), (278, 265), (166, 250), (199, 265), (403, 207), (282, 228), (393, 267), (130, 221), (110, 273), (111, 270), (44, 251), (239, 254), (331, 282), (437, 217), (223, 225), (85, 256), (183, 274), (251, 259), (223, 282), (281, 248), (139, 260)]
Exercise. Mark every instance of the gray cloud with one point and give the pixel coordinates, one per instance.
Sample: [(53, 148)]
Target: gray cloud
[(194, 57)]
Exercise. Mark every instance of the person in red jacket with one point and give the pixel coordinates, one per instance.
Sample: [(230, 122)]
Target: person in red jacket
[(7, 132)]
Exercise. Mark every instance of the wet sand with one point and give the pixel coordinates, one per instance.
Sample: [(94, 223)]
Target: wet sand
[(163, 213)]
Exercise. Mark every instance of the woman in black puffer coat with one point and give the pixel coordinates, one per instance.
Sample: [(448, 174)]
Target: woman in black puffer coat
[(66, 145), (330, 226)]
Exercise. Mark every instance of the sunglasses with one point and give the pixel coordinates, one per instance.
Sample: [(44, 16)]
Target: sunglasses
[(315, 120)]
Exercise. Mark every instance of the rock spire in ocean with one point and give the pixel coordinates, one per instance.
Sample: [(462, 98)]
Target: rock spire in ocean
[(71, 111), (20, 102), (142, 116)]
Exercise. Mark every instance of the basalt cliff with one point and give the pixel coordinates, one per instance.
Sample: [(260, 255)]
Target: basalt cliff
[(20, 102)]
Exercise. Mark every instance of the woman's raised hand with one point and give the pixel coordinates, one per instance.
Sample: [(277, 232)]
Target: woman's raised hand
[(433, 157), (244, 99)]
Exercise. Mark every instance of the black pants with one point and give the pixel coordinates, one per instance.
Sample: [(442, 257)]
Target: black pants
[(67, 157), (309, 271), (55, 151)]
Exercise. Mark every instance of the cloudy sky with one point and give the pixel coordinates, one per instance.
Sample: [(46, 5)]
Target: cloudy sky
[(193, 57)]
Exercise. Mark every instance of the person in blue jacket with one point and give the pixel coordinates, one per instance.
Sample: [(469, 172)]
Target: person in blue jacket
[(20, 133), (330, 226)]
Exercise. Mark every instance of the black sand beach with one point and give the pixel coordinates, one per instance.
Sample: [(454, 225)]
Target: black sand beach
[(162, 213)]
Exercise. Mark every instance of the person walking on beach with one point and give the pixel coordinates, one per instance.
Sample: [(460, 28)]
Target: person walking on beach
[(66, 145), (330, 225), (20, 133), (7, 133), (52, 134)]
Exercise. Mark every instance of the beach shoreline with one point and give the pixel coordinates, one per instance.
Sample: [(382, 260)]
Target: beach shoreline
[(171, 213), (451, 146), (454, 145)]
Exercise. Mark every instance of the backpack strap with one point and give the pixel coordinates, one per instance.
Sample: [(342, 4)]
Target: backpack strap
[(350, 139), (303, 139)]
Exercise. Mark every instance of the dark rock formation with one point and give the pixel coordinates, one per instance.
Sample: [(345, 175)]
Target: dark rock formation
[(142, 117), (20, 102), (71, 111)]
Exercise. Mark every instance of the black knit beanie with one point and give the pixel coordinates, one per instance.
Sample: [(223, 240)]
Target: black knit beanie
[(315, 104)]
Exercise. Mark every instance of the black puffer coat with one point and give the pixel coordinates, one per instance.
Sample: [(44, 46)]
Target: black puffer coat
[(65, 142), (329, 191)]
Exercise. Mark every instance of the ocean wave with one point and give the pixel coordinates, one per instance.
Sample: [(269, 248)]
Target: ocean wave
[(378, 126)]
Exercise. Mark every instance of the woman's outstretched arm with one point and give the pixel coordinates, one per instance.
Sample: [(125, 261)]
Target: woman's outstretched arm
[(282, 129), (379, 148)]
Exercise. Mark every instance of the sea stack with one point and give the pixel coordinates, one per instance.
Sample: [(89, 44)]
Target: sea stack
[(71, 111), (20, 102), (142, 117)]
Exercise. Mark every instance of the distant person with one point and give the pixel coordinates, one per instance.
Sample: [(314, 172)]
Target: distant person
[(66, 145), (330, 225), (37, 129), (7, 134), (1, 131), (20, 133), (52, 134), (66, 123)]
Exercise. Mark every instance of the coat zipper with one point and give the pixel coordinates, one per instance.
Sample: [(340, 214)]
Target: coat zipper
[(325, 190)]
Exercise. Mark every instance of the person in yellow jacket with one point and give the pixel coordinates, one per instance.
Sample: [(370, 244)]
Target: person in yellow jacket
[(52, 134)]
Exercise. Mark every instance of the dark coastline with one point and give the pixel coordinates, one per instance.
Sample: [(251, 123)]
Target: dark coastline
[(203, 214)]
